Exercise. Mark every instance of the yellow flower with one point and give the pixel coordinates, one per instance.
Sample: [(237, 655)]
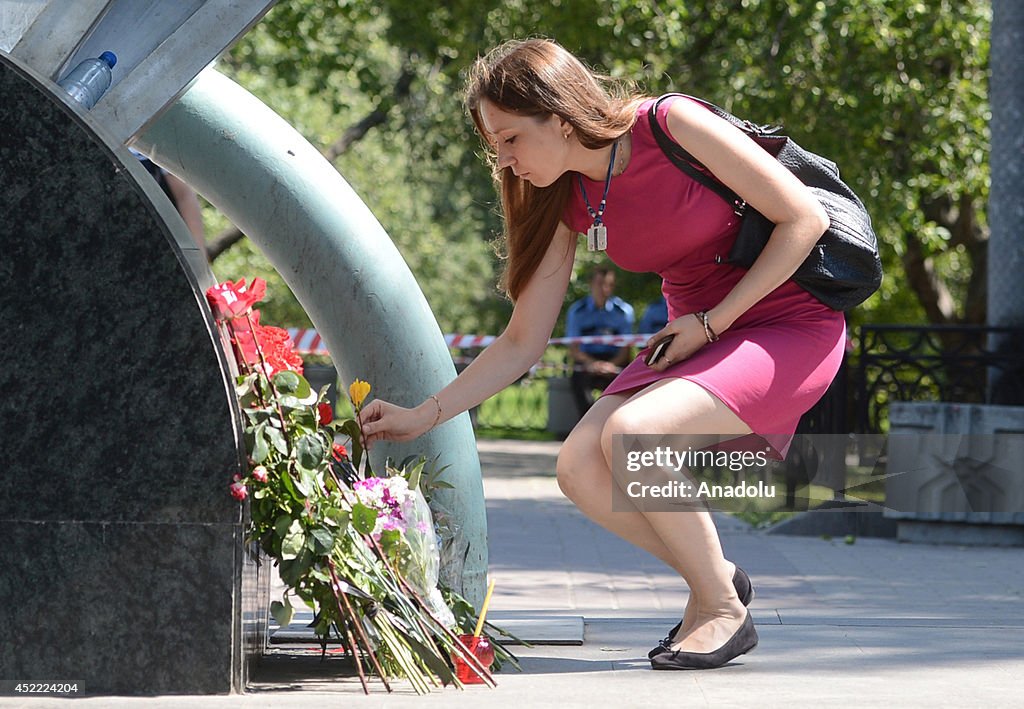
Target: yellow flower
[(358, 391)]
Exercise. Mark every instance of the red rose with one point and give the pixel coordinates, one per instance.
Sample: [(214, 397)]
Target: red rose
[(246, 325), (259, 473), (276, 344), (238, 491), (325, 412), (339, 452), (229, 300), (244, 333)]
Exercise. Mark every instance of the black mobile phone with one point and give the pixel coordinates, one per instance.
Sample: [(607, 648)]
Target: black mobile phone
[(658, 350)]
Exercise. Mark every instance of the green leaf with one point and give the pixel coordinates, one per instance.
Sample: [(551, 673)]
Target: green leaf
[(289, 484), (303, 390), (277, 439), (287, 382), (260, 448), (304, 418), (309, 482), (337, 517), (258, 416), (293, 569), (319, 574), (351, 429), (281, 525), (290, 403), (245, 386), (294, 390), (293, 542), (323, 541), (282, 613), (310, 451), (363, 518), (414, 475), (391, 541)]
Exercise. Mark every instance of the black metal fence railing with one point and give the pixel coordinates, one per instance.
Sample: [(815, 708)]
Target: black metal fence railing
[(951, 363)]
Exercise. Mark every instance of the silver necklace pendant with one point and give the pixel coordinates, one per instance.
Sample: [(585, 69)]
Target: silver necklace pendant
[(597, 234)]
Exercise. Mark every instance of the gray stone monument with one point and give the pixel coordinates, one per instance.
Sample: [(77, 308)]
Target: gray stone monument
[(122, 565)]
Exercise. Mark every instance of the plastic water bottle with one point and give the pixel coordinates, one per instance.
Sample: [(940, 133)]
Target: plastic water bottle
[(90, 79)]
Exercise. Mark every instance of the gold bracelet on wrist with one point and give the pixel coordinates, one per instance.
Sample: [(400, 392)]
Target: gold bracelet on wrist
[(708, 332), (707, 326), (438, 417)]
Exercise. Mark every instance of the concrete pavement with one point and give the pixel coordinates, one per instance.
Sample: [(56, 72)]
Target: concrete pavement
[(874, 623)]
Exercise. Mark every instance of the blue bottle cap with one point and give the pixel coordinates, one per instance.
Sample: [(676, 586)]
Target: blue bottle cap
[(110, 58)]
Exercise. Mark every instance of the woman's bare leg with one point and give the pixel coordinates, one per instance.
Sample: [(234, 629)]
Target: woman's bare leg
[(584, 476), (685, 540)]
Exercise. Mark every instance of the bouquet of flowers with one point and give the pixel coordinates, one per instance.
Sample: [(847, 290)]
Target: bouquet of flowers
[(360, 549)]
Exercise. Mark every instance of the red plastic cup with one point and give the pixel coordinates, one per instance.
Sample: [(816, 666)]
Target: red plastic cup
[(484, 653)]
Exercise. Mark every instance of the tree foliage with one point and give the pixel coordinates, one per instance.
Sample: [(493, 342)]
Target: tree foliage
[(895, 91)]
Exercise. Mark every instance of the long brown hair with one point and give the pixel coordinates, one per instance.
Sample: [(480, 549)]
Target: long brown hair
[(538, 77)]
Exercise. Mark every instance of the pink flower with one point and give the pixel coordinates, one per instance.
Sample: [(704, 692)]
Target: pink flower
[(259, 474), (238, 491), (230, 300), (387, 496)]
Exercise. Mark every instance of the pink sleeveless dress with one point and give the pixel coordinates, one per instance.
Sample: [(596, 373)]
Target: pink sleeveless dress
[(778, 358)]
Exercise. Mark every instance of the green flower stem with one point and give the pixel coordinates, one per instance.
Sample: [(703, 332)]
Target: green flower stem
[(353, 647), (405, 591), (364, 461), (470, 658), (340, 598), (407, 661)]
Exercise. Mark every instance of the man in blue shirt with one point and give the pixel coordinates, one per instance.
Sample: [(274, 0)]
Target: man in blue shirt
[(654, 318), (600, 313)]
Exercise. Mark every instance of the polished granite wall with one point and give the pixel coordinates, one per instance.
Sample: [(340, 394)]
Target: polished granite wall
[(122, 565)]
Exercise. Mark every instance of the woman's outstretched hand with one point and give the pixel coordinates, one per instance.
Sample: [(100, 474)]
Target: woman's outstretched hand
[(383, 421)]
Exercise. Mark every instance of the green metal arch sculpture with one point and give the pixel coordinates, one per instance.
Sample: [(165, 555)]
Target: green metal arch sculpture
[(341, 265)]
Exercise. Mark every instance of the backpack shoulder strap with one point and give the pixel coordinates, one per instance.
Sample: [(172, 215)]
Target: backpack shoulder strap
[(683, 160)]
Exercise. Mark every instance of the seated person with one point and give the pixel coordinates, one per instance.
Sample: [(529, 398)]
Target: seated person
[(600, 313), (654, 318)]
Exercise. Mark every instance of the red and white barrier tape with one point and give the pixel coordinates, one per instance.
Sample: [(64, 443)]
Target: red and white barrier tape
[(307, 341)]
